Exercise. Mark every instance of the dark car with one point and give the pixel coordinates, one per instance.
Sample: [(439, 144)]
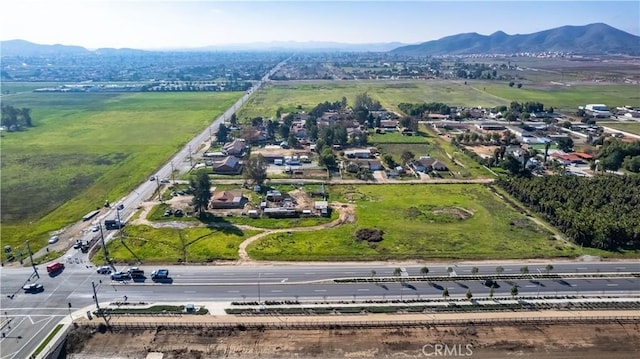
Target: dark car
[(77, 245), (104, 270), (178, 213), (33, 288), (491, 283)]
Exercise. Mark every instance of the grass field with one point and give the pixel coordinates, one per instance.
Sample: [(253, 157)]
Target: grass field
[(307, 94), (429, 222), (173, 245), (565, 99), (87, 148), (631, 127)]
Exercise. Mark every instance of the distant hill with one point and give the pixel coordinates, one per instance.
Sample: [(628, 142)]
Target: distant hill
[(26, 48), (588, 39)]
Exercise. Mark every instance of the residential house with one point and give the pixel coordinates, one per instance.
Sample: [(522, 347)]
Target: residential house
[(358, 153), (227, 199), (237, 148), (229, 166), (389, 125), (427, 164)]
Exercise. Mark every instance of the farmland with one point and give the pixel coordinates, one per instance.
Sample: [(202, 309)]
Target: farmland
[(436, 221), (631, 127), (87, 148)]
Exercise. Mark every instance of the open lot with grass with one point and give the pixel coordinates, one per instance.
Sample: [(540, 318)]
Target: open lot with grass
[(177, 245), (565, 99), (631, 127), (86, 148), (307, 94), (420, 222)]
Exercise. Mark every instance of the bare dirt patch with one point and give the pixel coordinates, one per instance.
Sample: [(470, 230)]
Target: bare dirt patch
[(503, 341), (457, 212)]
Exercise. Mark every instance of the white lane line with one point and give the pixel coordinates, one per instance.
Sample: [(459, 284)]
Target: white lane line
[(621, 267), (309, 273), (233, 291), (276, 291), (320, 290), (349, 272), (189, 291), (530, 286), (363, 290), (582, 268), (612, 285)]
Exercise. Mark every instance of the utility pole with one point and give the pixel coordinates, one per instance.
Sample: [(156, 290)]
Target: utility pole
[(95, 297), (158, 184), (35, 270), (173, 178), (104, 246), (259, 288), (190, 160), (119, 207)]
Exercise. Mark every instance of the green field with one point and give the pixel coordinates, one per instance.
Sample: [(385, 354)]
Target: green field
[(307, 94), (86, 148), (631, 127), (173, 245), (565, 99), (420, 222)]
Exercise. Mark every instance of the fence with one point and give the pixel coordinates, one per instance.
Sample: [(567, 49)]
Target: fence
[(283, 324)]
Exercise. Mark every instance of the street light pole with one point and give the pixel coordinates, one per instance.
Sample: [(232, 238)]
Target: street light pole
[(259, 300), (119, 207), (104, 246), (158, 184), (173, 178), (35, 270)]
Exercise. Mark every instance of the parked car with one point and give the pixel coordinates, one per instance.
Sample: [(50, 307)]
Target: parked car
[(95, 228), (53, 239), (33, 288), (168, 212), (104, 270), (77, 245), (120, 276), (164, 180), (178, 213)]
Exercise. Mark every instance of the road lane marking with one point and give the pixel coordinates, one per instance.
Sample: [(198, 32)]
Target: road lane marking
[(189, 292), (233, 291), (276, 291), (612, 285), (363, 290), (308, 273), (530, 286), (621, 267), (582, 268), (320, 290), (349, 272)]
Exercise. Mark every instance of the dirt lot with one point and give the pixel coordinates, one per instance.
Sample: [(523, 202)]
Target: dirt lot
[(508, 341)]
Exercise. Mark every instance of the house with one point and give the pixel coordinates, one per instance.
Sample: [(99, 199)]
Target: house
[(230, 165), (358, 153), (598, 110), (428, 164), (274, 196), (491, 126), (227, 199), (565, 158), (298, 129), (280, 212), (236, 148), (389, 125), (322, 207)]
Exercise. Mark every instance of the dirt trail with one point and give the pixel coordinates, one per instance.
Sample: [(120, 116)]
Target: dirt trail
[(347, 215)]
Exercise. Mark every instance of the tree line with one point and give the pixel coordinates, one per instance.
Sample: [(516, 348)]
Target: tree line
[(600, 212), (618, 154), (14, 119)]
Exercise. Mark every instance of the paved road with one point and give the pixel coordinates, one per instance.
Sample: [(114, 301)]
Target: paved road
[(34, 315)]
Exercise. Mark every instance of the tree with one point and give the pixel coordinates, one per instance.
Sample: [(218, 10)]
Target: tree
[(327, 158), (397, 272), (491, 292), (449, 270), (514, 291), (519, 85), (201, 192), (233, 120), (499, 270), (445, 293), (406, 156), (565, 144), (549, 268), (524, 269), (388, 160), (547, 144), (469, 294), (373, 273), (424, 271), (474, 270), (511, 83), (222, 133), (255, 170)]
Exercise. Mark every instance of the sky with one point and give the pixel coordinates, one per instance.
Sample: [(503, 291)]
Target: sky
[(155, 24)]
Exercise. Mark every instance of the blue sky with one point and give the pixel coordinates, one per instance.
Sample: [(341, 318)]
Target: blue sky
[(153, 24)]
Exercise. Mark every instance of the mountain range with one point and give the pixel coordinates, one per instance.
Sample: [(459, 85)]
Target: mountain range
[(587, 39)]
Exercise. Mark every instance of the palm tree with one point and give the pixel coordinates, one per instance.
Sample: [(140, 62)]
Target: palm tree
[(469, 294), (445, 293), (549, 268), (524, 270), (474, 270), (491, 292), (397, 272), (449, 270), (424, 271), (499, 270), (514, 291), (373, 273)]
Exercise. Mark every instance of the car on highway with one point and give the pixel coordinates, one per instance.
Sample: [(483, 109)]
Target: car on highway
[(53, 239), (95, 228), (120, 276), (33, 288), (135, 272), (104, 270), (160, 274), (77, 245), (164, 180)]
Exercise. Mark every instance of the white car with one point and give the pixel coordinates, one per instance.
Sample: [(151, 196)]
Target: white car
[(95, 229), (53, 239)]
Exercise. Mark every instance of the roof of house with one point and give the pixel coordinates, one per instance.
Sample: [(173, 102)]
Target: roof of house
[(236, 145), (226, 197), (586, 156), (229, 161)]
